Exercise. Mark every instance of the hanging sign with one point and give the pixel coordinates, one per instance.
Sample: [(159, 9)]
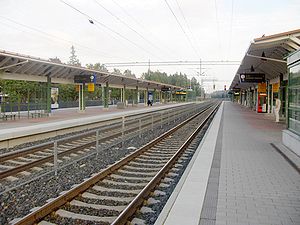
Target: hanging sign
[(275, 87), (262, 87), (77, 87), (165, 89), (91, 87), (252, 77), (83, 79)]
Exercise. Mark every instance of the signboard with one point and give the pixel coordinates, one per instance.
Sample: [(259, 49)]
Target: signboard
[(82, 79), (165, 89), (252, 77), (275, 87), (180, 92), (91, 87), (262, 87), (54, 98)]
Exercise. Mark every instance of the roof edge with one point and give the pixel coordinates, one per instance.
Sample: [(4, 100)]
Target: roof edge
[(278, 35)]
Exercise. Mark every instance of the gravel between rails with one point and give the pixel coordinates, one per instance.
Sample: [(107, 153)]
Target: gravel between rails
[(18, 202), (150, 218)]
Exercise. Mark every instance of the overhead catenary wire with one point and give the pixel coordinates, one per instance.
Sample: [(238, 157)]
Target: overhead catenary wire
[(218, 25), (186, 22), (181, 27), (51, 36), (97, 22), (140, 25), (230, 30), (172, 63), (127, 25)]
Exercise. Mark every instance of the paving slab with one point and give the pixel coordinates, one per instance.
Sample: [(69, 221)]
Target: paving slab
[(256, 184), (247, 181)]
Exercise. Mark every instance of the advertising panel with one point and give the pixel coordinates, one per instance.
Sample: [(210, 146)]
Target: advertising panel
[(54, 98)]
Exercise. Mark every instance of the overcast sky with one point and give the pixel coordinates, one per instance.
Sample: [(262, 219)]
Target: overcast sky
[(142, 30)]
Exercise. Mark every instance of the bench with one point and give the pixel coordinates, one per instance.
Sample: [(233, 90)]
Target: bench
[(39, 114), (4, 116)]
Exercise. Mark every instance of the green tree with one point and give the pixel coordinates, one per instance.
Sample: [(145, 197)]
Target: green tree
[(128, 73), (97, 66), (117, 71), (74, 61)]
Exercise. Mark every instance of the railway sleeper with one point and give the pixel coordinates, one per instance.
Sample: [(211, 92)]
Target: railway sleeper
[(104, 189)]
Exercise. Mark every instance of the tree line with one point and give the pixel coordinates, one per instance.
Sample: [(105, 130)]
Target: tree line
[(25, 91)]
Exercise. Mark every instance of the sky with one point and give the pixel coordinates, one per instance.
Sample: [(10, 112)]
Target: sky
[(148, 30)]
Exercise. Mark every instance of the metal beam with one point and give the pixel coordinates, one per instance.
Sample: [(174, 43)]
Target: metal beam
[(295, 39), (4, 61), (293, 45), (26, 77), (266, 58), (16, 64)]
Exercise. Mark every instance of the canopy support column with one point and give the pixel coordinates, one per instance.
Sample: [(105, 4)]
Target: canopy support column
[(145, 97), (81, 98), (136, 96), (48, 107), (124, 95), (105, 95)]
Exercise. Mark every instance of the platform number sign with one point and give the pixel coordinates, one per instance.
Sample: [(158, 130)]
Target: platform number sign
[(84, 79)]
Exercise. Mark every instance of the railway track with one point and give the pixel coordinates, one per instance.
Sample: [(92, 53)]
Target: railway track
[(113, 195), (14, 165)]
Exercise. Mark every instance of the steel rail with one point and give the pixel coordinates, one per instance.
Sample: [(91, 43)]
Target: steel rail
[(38, 162), (49, 207), (40, 147), (139, 199)]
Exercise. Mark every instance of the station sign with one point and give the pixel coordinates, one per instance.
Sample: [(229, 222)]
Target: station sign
[(275, 87), (165, 89), (83, 79), (262, 87), (180, 92), (252, 77), (91, 87)]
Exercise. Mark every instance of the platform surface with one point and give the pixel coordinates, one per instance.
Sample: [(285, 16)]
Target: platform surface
[(249, 182), (63, 118)]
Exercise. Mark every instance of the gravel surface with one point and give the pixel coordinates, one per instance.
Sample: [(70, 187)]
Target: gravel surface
[(18, 202), (102, 202), (72, 221), (150, 218), (90, 211)]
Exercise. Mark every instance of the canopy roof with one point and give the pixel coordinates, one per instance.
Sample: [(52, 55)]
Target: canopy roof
[(14, 66), (267, 55)]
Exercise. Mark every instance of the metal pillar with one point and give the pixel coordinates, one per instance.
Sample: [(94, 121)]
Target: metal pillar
[(81, 98), (272, 97), (121, 94), (268, 96), (136, 99), (105, 102), (160, 97), (124, 95), (48, 94), (145, 97)]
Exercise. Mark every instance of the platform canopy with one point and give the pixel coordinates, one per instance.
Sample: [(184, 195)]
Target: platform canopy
[(14, 66), (267, 56)]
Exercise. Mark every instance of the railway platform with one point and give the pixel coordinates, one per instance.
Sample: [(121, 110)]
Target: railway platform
[(67, 118), (240, 174)]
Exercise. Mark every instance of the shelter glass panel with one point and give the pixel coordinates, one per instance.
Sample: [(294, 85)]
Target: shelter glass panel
[(294, 99)]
